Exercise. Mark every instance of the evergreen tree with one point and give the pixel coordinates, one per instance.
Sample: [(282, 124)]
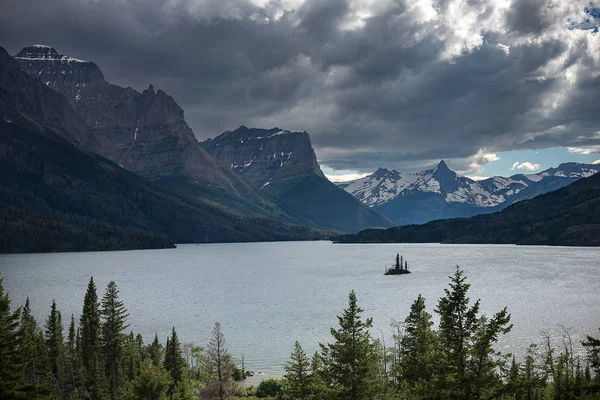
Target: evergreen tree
[(297, 377), (11, 367), (351, 362), (174, 362), (113, 325), (155, 351), (467, 342), (53, 331), (90, 325), (398, 264), (90, 342), (418, 344), (34, 356)]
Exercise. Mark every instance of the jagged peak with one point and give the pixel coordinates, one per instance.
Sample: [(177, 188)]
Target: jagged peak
[(150, 90), (442, 166), (380, 173)]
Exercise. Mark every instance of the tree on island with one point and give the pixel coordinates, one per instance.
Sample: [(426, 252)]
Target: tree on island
[(398, 262)]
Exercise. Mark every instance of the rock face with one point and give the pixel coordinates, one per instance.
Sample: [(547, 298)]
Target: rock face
[(283, 164), (145, 133), (57, 196), (261, 155), (413, 198), (32, 103)]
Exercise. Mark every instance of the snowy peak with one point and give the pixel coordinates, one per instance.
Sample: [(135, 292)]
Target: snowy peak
[(40, 52), (383, 185)]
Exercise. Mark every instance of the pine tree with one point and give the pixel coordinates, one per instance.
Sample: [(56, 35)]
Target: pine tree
[(112, 328), (398, 263), (53, 331), (297, 377), (34, 356), (11, 367), (351, 362), (90, 341), (418, 344), (466, 341), (174, 362), (218, 363), (155, 351)]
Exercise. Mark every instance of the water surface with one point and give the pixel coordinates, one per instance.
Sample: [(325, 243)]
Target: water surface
[(267, 295)]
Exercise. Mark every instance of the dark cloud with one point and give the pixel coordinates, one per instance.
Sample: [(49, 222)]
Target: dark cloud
[(391, 82)]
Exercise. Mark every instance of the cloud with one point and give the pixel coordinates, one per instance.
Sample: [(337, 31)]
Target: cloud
[(478, 161), (527, 166), (345, 177), (584, 150), (392, 83), (478, 178)]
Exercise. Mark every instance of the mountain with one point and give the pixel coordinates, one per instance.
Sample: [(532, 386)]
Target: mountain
[(146, 133), (57, 196), (439, 193), (569, 216), (283, 164)]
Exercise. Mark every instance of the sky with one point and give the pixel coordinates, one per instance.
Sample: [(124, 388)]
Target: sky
[(493, 87)]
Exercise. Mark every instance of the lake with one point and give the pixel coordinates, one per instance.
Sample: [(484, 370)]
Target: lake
[(267, 295)]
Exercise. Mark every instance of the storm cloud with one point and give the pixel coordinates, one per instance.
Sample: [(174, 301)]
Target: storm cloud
[(375, 82)]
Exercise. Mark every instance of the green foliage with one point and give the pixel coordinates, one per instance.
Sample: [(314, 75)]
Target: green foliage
[(112, 337), (152, 383), (297, 377), (11, 368), (417, 347), (55, 344), (174, 362), (455, 362), (270, 388), (350, 363)]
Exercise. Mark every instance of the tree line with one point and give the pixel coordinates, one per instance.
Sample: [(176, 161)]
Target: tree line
[(99, 360)]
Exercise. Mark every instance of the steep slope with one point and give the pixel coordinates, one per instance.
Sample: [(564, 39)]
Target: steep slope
[(145, 133), (569, 216), (414, 198), (283, 164), (56, 196)]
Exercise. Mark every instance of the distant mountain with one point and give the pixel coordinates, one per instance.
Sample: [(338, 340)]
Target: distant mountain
[(439, 193), (569, 216), (283, 164), (146, 133), (57, 196)]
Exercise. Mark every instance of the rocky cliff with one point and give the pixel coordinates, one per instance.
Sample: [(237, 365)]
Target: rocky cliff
[(283, 164), (146, 133)]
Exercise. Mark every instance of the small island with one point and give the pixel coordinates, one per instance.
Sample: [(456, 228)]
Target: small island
[(400, 268)]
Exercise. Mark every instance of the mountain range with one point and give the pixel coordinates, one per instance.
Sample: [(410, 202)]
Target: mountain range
[(283, 164), (569, 216), (58, 195), (440, 193), (170, 189)]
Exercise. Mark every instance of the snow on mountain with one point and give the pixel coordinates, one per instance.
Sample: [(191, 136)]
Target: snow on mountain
[(384, 185)]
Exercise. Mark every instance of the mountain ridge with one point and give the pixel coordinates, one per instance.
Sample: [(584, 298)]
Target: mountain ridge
[(569, 216), (438, 193), (283, 164)]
